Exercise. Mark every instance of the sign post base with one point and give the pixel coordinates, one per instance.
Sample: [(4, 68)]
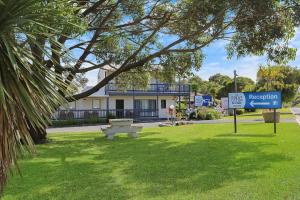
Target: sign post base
[(275, 121)]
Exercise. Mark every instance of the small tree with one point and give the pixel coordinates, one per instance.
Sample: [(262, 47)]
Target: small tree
[(280, 78), (244, 84)]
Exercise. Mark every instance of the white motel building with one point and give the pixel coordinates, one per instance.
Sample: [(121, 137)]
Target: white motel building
[(110, 101)]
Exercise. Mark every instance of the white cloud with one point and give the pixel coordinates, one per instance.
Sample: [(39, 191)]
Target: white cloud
[(246, 66)]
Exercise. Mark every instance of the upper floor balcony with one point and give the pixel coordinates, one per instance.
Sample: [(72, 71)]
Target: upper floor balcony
[(160, 89)]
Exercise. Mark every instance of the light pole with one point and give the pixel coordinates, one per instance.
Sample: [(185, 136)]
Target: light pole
[(234, 110)]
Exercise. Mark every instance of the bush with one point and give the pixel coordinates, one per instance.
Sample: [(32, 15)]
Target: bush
[(111, 116), (192, 115), (239, 111), (201, 115), (179, 116), (78, 122), (208, 114), (250, 110)]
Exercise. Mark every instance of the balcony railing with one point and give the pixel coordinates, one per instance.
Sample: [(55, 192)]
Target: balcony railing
[(113, 113), (153, 89)]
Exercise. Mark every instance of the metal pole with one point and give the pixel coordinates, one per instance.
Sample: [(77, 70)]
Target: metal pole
[(234, 110), (179, 95), (189, 96), (275, 121)]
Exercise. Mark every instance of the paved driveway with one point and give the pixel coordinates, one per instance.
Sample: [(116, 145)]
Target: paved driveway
[(296, 112), (155, 124)]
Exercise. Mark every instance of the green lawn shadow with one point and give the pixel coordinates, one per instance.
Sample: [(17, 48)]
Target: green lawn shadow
[(245, 135), (155, 166)]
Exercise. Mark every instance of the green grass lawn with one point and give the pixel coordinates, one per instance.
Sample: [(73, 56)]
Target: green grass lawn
[(186, 162), (285, 114)]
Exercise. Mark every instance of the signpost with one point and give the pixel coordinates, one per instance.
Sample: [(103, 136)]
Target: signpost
[(203, 100), (224, 103), (256, 100)]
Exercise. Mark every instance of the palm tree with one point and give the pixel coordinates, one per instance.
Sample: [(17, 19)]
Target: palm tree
[(28, 90)]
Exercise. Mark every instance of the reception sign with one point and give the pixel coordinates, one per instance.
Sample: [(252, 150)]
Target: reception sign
[(257, 100)]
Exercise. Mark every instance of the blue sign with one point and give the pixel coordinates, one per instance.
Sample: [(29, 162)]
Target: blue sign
[(203, 100), (248, 100)]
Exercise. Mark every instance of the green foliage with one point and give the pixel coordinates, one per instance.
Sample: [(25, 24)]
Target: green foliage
[(168, 37), (244, 84), (28, 90), (239, 111), (207, 114), (268, 34), (296, 102), (111, 116), (280, 78), (219, 79), (78, 122)]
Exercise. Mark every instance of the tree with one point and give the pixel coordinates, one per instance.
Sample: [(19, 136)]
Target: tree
[(28, 90), (219, 78), (280, 78), (135, 35), (196, 84), (244, 84)]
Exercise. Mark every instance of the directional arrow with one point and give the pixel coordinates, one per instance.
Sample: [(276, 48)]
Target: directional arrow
[(252, 103)]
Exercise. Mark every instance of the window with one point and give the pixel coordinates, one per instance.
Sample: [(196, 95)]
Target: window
[(96, 103), (163, 104), (147, 104)]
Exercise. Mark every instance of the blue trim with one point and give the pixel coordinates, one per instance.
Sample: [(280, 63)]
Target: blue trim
[(151, 90)]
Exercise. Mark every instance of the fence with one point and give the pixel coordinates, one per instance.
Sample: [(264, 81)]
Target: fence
[(114, 113)]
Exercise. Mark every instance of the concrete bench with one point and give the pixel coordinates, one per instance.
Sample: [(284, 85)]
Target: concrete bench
[(121, 126)]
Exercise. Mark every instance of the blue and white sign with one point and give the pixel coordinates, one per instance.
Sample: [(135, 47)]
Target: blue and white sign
[(203, 100), (248, 100)]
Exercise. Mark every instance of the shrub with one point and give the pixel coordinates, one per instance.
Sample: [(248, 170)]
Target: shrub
[(111, 116), (192, 115), (86, 114), (208, 114), (201, 115), (78, 122), (250, 110), (179, 116), (239, 111)]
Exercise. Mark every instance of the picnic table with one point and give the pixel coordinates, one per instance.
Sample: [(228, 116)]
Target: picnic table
[(121, 126)]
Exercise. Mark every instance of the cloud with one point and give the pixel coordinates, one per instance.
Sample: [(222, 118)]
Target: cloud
[(246, 66)]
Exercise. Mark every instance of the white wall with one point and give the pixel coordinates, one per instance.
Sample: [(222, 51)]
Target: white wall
[(86, 103), (128, 103), (163, 113)]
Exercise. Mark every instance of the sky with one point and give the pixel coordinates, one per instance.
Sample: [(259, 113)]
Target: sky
[(216, 61)]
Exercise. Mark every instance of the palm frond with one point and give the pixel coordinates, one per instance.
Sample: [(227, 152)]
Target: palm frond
[(28, 90)]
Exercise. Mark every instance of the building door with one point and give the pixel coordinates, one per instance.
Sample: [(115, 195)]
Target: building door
[(120, 108)]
